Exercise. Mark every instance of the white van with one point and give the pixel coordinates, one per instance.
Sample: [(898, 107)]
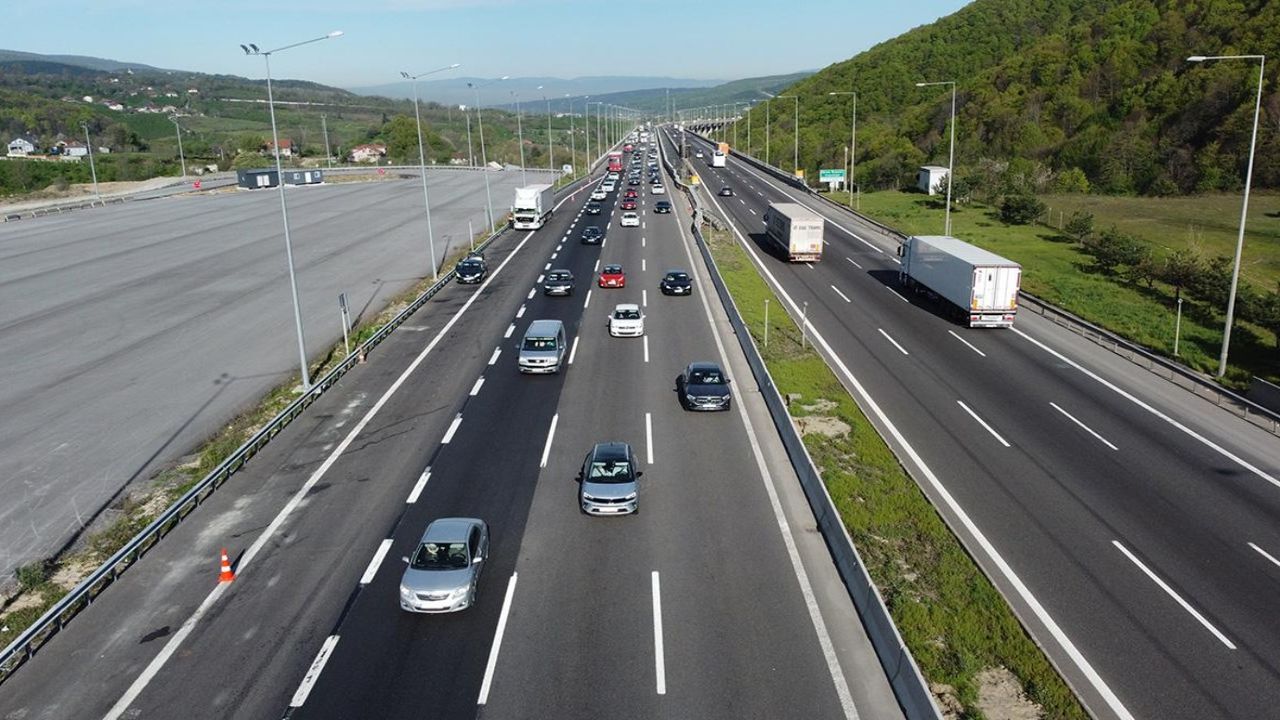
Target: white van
[(543, 347)]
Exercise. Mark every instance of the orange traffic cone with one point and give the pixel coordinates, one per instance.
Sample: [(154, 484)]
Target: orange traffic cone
[(227, 574)]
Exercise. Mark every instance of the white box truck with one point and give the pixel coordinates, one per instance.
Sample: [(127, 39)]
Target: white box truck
[(796, 230), (982, 286), (532, 206)]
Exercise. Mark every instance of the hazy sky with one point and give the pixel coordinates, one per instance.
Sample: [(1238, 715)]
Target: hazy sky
[(711, 39)]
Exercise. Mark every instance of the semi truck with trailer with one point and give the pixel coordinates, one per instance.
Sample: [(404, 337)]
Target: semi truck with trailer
[(532, 206), (795, 230), (978, 285)]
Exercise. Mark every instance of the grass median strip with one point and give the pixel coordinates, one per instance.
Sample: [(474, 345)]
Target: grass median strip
[(971, 648), (41, 584)]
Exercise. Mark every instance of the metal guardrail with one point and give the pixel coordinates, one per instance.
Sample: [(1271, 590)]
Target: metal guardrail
[(80, 597), (1175, 373), (908, 683)]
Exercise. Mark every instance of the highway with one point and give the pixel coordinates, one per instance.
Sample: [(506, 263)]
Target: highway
[(1135, 528), (137, 330), (717, 600)]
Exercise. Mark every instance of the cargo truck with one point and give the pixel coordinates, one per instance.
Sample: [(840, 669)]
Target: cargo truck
[(981, 286), (532, 206), (795, 230)]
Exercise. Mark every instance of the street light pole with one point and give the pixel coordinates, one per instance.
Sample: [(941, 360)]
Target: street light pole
[(422, 163), (853, 139), (93, 170), (251, 49), (182, 158), (328, 156), (1244, 207), (951, 155), (484, 158)]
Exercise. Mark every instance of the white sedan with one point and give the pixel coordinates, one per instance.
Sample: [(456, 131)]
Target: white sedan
[(630, 219), (658, 190), (626, 320)]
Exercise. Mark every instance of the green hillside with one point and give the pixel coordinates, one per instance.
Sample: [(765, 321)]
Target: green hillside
[(1052, 85)]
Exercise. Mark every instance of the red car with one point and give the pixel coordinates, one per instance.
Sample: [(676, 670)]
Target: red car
[(630, 195), (612, 276), (628, 204)]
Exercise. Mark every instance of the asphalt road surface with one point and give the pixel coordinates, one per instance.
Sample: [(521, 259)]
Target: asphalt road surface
[(1143, 521), (137, 330), (717, 600)]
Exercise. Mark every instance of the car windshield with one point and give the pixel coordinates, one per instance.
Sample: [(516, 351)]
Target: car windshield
[(626, 314), (706, 377), (610, 471), (539, 343), (441, 556), (677, 277)]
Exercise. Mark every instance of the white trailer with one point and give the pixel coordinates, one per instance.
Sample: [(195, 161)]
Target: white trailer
[(982, 286), (796, 230), (532, 206)]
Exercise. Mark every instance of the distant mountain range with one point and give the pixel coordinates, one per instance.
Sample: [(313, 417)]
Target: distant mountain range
[(454, 91)]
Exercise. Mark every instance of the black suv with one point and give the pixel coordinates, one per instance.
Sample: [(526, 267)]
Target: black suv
[(471, 270), (703, 386), (592, 235), (662, 206), (676, 282)]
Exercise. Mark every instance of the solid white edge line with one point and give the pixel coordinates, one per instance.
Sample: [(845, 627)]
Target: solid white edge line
[(475, 389), (646, 348), (966, 342), (378, 556), (153, 668), (648, 437), (551, 435), (659, 654), (1084, 427), (497, 642), (1134, 399), (842, 295), (494, 357), (453, 428), (895, 342), (983, 423), (838, 680), (1265, 554), (1001, 565), (418, 486), (1178, 598), (313, 673)]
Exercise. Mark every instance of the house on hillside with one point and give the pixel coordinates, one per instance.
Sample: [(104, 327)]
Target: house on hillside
[(286, 148), (931, 179), (21, 147), (370, 153)]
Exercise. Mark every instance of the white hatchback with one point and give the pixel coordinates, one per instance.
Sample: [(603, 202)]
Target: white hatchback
[(626, 320)]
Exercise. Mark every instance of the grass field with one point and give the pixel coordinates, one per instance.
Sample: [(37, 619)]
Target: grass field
[(1056, 270), (954, 621)]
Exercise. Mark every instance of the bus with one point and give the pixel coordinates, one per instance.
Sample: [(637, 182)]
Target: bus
[(615, 161)]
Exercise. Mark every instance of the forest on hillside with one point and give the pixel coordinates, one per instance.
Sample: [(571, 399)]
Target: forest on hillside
[(1051, 95)]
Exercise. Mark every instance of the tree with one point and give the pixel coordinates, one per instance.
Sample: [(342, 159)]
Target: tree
[(1021, 209), (1180, 269), (1080, 226)]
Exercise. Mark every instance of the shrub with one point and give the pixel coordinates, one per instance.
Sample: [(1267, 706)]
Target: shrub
[(1021, 209)]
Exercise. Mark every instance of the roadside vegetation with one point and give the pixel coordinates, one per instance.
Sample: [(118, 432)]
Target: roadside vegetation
[(1123, 262), (958, 627)]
